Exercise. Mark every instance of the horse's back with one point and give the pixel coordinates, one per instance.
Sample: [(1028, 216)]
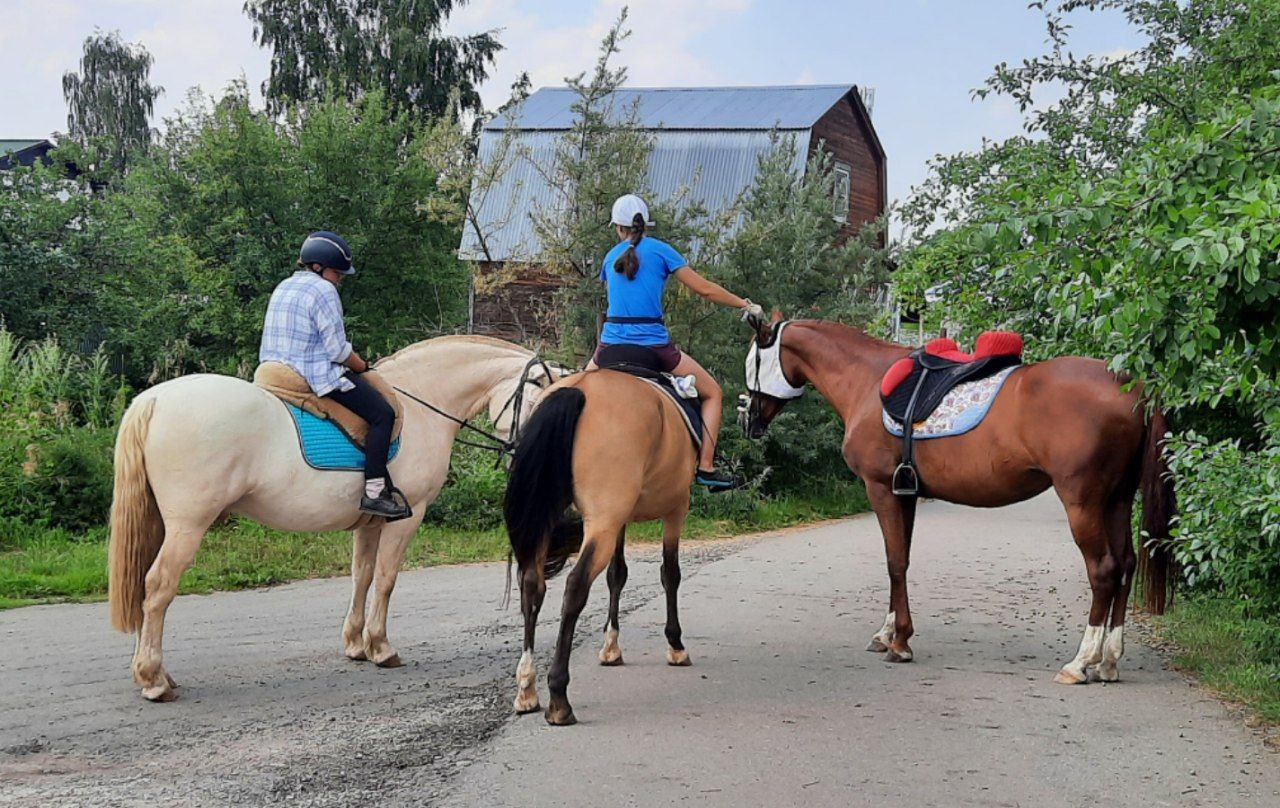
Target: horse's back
[(631, 447), (1062, 421), (212, 402), (205, 430)]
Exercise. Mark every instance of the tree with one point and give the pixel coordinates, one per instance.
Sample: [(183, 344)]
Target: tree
[(242, 188), (355, 46), (111, 99), (1140, 223), (604, 155), (785, 253)]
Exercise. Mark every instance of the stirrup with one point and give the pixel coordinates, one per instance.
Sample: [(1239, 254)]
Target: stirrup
[(397, 497), (906, 482)]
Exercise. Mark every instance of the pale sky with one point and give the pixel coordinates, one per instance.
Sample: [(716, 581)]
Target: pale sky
[(923, 57)]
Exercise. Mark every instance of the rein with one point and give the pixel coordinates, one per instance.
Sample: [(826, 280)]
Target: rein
[(503, 448)]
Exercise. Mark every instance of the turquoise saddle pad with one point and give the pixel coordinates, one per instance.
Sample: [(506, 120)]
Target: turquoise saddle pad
[(324, 446)]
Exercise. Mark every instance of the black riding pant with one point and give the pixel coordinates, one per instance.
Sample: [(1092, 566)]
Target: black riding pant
[(364, 400)]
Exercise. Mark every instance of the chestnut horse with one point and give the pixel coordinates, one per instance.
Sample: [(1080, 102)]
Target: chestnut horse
[(1068, 423), (617, 448)]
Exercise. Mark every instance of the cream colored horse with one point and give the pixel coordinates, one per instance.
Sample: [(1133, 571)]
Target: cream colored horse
[(193, 450)]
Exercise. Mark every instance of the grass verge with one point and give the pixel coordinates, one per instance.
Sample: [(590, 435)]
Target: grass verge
[(1208, 638), (39, 565)]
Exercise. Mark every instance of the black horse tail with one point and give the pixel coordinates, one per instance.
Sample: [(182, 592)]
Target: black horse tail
[(1159, 506), (540, 485)]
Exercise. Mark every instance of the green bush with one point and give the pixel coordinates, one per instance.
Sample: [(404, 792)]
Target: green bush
[(58, 412), (472, 494), (1228, 530), (73, 478)]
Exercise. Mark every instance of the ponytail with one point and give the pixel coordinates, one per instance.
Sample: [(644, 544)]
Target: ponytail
[(629, 263)]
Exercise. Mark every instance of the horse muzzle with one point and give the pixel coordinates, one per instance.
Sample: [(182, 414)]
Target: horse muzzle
[(752, 425)]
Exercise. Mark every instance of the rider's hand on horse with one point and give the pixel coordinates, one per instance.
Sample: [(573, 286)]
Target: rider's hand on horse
[(356, 363), (751, 311)]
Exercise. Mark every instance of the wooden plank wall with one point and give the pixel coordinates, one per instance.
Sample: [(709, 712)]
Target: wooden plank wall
[(844, 134), (519, 308)]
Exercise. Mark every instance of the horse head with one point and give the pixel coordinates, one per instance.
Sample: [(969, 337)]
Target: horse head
[(769, 386)]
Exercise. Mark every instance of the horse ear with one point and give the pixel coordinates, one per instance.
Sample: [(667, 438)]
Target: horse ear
[(777, 317)]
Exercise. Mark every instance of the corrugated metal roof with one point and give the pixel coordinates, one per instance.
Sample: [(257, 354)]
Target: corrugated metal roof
[(718, 165), (791, 108)]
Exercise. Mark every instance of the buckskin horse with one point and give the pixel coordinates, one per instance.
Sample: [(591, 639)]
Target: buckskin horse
[(1067, 422), (617, 448), (195, 449)]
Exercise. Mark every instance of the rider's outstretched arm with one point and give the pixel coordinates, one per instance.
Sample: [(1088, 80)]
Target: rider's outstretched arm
[(709, 290)]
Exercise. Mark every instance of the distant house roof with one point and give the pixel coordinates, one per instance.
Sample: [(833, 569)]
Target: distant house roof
[(23, 152), (796, 107), (705, 139)]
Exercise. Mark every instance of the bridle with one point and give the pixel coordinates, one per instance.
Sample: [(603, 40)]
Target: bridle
[(749, 405), (504, 449)]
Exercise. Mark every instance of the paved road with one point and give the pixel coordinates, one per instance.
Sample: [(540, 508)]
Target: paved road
[(781, 706)]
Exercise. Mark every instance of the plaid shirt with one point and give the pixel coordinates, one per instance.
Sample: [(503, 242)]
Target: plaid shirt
[(304, 330)]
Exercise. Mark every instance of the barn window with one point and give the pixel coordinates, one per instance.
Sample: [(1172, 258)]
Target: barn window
[(840, 201)]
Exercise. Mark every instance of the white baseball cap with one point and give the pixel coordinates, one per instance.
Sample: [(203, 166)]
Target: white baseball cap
[(626, 208)]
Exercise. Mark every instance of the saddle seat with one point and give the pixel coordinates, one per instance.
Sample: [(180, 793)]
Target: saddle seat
[(941, 365), (287, 384), (915, 385), (641, 362)]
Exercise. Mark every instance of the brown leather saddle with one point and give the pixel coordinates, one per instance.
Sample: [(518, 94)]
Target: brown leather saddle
[(288, 385)]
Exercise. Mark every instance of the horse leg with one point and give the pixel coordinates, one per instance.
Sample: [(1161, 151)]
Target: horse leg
[(611, 653), (391, 547), (533, 586), (1120, 528), (597, 552), (671, 528), (364, 551), (897, 517), (1089, 527), (174, 558)]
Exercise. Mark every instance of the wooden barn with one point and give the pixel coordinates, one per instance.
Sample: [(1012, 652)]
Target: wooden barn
[(714, 134)]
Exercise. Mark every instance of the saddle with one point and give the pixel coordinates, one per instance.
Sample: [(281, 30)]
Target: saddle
[(915, 385), (287, 384), (639, 361)]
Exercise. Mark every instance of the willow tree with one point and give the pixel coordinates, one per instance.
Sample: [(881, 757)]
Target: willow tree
[(355, 46), (111, 99)]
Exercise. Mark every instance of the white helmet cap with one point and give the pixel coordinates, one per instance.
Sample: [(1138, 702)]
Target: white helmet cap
[(626, 208)]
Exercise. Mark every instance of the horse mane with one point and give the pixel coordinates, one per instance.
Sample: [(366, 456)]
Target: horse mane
[(839, 330), (473, 339)]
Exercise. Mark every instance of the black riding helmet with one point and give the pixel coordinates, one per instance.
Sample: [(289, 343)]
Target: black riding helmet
[(328, 249)]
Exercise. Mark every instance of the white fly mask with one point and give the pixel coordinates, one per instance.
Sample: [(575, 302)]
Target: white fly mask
[(764, 369)]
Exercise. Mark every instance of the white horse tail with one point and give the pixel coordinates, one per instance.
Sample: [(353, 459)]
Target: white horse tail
[(137, 531)]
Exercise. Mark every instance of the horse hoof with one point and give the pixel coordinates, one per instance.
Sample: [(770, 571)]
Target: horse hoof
[(679, 659), (526, 705), (1109, 676), (1066, 677), (610, 657), (898, 656), (561, 718), (392, 661), (159, 693), (876, 646), (357, 655)]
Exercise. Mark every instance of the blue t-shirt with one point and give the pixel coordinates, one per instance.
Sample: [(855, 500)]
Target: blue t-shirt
[(640, 297)]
